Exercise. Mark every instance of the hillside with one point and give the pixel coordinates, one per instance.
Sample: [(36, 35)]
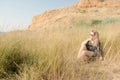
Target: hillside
[(80, 11), (48, 49)]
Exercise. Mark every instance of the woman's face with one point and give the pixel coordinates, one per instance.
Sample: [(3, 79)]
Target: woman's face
[(92, 34)]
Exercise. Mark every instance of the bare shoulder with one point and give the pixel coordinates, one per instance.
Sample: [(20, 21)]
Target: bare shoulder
[(84, 42)]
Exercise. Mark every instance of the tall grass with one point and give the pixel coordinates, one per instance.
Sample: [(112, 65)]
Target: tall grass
[(51, 55)]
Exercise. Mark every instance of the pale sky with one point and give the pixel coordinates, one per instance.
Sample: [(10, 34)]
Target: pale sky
[(17, 14)]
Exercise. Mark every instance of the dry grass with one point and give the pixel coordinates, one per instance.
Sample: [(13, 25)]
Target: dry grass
[(51, 54)]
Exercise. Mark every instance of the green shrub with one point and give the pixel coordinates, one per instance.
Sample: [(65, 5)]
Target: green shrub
[(110, 20), (82, 24), (95, 22)]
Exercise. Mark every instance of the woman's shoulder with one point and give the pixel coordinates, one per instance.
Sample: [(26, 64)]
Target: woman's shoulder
[(84, 42)]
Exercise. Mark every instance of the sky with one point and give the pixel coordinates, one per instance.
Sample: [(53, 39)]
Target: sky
[(18, 14)]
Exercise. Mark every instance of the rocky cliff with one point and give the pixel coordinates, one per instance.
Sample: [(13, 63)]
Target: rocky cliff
[(83, 10)]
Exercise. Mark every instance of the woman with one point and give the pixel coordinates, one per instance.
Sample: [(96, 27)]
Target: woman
[(90, 49)]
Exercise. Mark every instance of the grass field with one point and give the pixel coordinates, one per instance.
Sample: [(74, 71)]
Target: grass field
[(51, 54)]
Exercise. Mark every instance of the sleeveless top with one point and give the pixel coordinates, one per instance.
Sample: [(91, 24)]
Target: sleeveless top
[(90, 47)]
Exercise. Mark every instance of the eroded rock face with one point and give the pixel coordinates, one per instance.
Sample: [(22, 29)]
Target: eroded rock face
[(87, 2), (97, 3)]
